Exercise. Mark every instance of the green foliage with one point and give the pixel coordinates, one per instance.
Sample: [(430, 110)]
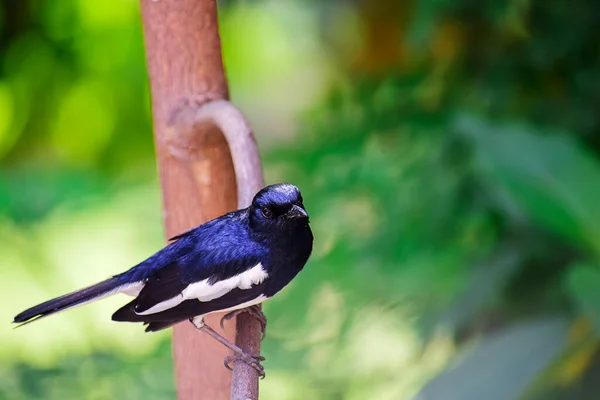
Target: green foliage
[(519, 353), (548, 176), (582, 283), (100, 376)]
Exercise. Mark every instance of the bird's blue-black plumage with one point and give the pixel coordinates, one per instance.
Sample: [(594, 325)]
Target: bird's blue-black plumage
[(272, 232)]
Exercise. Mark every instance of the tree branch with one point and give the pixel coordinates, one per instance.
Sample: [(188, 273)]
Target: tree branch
[(182, 140), (197, 176)]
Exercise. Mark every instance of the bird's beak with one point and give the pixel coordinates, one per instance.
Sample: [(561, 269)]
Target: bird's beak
[(297, 212)]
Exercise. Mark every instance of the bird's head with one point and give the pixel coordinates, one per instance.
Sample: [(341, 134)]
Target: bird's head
[(278, 207)]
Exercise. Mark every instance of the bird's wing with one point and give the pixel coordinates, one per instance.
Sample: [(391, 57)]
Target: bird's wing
[(182, 235), (204, 277), (167, 283), (233, 300), (208, 264)]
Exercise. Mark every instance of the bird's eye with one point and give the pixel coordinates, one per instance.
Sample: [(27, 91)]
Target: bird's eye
[(266, 212)]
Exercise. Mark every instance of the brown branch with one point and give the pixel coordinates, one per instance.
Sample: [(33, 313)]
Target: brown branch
[(199, 140), (197, 176), (182, 140)]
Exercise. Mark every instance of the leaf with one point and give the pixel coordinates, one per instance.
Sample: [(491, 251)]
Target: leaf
[(583, 284), (483, 286), (502, 366), (549, 176)]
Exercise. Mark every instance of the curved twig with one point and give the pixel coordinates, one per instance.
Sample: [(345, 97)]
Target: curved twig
[(185, 136)]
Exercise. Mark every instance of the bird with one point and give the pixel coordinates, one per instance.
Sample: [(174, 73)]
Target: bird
[(231, 263)]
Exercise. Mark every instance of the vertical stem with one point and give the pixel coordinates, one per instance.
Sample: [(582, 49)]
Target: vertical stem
[(244, 385), (183, 52)]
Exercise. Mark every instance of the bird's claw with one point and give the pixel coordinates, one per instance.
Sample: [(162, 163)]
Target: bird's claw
[(238, 353), (251, 360), (255, 311)]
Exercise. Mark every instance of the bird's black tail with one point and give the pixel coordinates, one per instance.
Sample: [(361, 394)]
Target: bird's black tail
[(83, 296)]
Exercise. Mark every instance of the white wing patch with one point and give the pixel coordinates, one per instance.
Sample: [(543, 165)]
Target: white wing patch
[(132, 289), (163, 305), (203, 291)]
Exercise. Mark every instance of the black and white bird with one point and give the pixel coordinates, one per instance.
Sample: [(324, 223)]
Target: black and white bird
[(228, 264)]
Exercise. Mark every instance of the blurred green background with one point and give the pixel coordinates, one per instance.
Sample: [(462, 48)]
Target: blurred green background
[(448, 153)]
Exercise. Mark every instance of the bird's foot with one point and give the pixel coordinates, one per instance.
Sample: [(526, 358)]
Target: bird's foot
[(250, 359), (238, 353), (255, 311)]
